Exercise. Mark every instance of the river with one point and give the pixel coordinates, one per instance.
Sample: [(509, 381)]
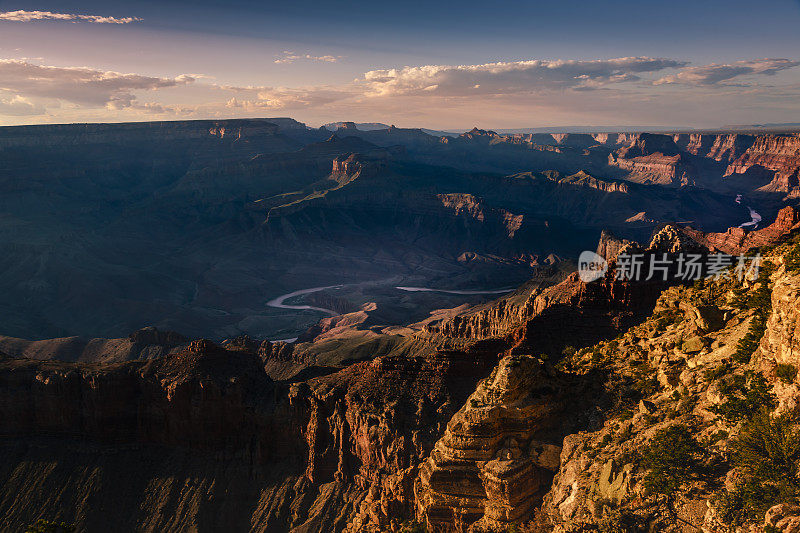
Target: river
[(278, 302), (426, 289), (755, 218)]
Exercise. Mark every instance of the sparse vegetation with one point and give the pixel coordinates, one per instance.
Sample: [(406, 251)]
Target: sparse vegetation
[(749, 343), (767, 451), (666, 318), (713, 374), (47, 526), (786, 372), (792, 258), (412, 526), (744, 395), (760, 300), (620, 521), (605, 441), (625, 414), (673, 460)]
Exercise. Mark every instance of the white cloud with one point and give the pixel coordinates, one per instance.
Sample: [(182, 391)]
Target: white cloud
[(80, 85), (254, 98), (20, 106), (512, 77), (30, 16), (290, 57), (579, 91), (717, 74)]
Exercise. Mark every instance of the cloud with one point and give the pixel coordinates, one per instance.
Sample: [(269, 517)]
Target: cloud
[(254, 98), (715, 74), (80, 85), (632, 89), (19, 106), (30, 16), (290, 57), (512, 77)]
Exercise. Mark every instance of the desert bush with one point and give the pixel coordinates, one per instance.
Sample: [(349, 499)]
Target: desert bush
[(713, 374), (760, 299), (413, 526), (744, 397), (792, 258), (620, 521), (786, 372), (672, 459), (767, 451), (47, 526), (625, 414), (749, 343)]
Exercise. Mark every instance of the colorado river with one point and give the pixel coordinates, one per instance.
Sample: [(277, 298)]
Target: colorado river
[(278, 302), (426, 289), (755, 218)]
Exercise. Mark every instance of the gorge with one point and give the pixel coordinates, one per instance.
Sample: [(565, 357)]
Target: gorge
[(443, 367)]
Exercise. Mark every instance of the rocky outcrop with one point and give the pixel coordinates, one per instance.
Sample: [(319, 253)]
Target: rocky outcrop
[(494, 458), (723, 147), (655, 168), (610, 246), (348, 168), (321, 454), (146, 343), (777, 153), (469, 206), (646, 144)]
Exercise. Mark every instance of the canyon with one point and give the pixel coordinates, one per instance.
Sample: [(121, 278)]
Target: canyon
[(191, 226), (442, 367)]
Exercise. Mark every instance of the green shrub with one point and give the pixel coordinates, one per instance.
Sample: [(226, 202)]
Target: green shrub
[(713, 374), (605, 441), (749, 343), (716, 437), (620, 521), (744, 503), (792, 258), (767, 451), (672, 459), (650, 419), (760, 300), (786, 372), (645, 383), (625, 414), (744, 398), (413, 526), (47, 526)]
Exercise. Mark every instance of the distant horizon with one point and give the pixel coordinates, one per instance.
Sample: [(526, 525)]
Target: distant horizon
[(786, 127)]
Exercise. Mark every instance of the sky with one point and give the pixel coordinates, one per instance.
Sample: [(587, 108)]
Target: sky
[(442, 65)]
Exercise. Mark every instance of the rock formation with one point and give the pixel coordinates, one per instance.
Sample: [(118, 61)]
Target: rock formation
[(494, 458)]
